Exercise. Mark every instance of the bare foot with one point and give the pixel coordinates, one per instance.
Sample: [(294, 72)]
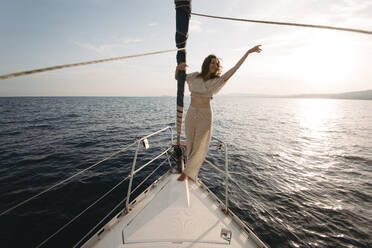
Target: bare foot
[(182, 177)]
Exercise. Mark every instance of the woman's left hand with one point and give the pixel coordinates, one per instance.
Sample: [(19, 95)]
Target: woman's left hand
[(255, 49), (181, 67)]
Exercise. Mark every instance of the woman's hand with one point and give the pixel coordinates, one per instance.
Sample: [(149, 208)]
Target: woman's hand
[(255, 49), (181, 67)]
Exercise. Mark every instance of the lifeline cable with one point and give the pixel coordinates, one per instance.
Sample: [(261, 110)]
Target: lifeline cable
[(65, 180), (287, 24), (139, 185), (17, 74), (82, 212)]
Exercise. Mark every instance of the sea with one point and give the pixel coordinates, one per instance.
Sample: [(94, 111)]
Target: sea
[(304, 166)]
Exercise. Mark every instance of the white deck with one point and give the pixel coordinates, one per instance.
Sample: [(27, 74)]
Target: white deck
[(173, 214)]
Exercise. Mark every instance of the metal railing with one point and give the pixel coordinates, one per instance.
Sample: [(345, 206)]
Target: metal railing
[(144, 141), (219, 146), (228, 178), (137, 143)]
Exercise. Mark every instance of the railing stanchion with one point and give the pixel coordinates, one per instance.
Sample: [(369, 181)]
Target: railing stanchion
[(169, 162), (127, 198), (171, 131), (131, 176), (226, 177)]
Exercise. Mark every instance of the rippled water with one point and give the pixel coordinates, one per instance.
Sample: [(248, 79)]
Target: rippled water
[(306, 164)]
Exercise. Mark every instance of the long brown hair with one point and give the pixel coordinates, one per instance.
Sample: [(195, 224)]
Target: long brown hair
[(205, 67)]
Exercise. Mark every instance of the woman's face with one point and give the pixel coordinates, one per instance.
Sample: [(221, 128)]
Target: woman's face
[(213, 66)]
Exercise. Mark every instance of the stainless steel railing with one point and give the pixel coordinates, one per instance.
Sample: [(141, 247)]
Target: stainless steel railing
[(137, 143), (228, 178), (144, 141), (219, 146)]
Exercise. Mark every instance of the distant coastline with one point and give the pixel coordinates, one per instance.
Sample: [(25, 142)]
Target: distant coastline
[(353, 95), (356, 95)]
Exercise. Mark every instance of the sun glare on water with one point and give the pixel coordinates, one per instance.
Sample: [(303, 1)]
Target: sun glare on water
[(315, 116)]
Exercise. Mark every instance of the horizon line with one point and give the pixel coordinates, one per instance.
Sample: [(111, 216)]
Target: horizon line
[(227, 94)]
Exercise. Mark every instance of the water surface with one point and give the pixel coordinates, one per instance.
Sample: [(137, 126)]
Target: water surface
[(306, 164)]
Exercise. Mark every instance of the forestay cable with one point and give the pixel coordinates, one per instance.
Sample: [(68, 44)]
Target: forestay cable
[(288, 24), (23, 73)]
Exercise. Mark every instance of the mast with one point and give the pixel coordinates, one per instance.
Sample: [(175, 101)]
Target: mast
[(183, 10)]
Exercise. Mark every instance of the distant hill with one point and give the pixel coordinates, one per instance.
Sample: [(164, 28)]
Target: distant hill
[(360, 95), (357, 95)]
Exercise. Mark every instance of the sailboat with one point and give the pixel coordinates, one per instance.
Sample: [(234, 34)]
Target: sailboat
[(172, 213), (168, 213)]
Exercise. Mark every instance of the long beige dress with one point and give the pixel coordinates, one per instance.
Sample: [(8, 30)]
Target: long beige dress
[(199, 117)]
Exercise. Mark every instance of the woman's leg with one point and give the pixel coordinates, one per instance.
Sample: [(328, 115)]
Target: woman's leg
[(202, 122), (190, 135)]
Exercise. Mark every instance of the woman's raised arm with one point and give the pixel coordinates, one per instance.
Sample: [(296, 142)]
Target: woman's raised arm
[(227, 75), (231, 72)]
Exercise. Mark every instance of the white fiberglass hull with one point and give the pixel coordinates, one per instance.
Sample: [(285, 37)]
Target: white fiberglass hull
[(171, 213)]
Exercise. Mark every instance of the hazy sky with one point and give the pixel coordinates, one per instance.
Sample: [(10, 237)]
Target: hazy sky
[(42, 33)]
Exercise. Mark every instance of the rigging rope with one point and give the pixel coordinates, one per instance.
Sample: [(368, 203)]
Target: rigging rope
[(23, 73), (287, 24)]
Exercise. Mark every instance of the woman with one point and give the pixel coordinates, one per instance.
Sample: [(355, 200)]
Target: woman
[(199, 115)]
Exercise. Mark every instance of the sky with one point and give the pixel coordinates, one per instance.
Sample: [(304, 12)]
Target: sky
[(42, 33)]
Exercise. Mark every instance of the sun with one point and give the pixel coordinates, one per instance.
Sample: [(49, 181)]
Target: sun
[(327, 60)]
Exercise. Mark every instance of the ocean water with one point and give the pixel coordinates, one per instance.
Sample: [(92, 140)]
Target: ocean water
[(306, 164)]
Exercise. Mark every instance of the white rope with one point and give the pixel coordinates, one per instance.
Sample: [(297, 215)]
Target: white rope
[(288, 24), (65, 180), (17, 74)]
